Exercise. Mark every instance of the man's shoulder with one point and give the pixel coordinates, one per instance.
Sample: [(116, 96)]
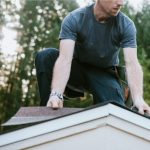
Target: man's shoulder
[(80, 12), (124, 19)]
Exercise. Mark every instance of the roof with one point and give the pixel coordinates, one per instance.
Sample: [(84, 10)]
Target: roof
[(106, 114), (30, 115)]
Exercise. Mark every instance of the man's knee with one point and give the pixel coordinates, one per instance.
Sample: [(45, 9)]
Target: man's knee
[(46, 53), (46, 58)]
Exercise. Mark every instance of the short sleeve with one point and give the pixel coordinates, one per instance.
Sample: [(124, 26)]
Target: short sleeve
[(68, 28), (129, 36)]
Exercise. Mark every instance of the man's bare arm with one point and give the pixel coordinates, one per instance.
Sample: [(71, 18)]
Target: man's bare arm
[(61, 71), (135, 79)]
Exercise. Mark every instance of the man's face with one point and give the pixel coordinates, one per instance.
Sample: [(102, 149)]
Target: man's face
[(111, 7)]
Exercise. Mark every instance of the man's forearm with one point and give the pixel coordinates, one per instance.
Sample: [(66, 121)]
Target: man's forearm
[(135, 80), (61, 74)]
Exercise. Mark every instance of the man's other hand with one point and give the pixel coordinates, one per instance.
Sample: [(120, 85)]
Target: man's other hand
[(142, 107), (55, 103)]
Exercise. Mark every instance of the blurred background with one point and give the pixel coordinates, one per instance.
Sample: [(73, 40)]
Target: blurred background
[(27, 26)]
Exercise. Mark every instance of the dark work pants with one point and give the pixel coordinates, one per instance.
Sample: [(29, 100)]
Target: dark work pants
[(102, 83)]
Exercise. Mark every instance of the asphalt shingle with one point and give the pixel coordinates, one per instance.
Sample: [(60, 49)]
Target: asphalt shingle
[(28, 115)]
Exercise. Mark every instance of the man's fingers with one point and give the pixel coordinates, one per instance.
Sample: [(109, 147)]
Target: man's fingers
[(147, 110), (61, 104), (143, 107), (144, 111), (141, 110), (55, 104), (49, 104)]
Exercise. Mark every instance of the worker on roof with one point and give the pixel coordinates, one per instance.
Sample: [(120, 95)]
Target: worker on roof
[(90, 42)]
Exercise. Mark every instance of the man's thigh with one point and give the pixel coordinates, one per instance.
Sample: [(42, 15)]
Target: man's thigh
[(76, 83), (104, 86)]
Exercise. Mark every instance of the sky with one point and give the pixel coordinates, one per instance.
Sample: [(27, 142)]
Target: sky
[(9, 43)]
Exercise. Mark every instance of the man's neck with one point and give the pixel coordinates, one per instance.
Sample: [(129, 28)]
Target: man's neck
[(100, 14)]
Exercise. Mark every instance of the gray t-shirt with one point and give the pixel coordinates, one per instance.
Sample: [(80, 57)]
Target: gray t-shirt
[(98, 43)]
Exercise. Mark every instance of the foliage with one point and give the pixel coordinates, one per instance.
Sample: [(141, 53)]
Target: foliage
[(7, 11), (39, 28), (40, 21), (143, 39)]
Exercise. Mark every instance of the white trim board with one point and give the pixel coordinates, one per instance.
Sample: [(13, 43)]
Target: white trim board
[(87, 116)]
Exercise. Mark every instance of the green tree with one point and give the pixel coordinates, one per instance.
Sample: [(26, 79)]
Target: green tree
[(40, 31), (39, 27), (143, 39), (7, 9)]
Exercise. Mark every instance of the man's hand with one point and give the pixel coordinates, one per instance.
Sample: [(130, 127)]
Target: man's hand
[(55, 103), (142, 106)]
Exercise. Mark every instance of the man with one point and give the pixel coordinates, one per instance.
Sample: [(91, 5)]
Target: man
[(90, 40)]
